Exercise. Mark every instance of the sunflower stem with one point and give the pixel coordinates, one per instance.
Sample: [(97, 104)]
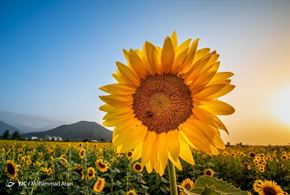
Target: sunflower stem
[(172, 178)]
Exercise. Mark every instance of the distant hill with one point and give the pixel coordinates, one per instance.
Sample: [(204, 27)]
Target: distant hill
[(77, 131), (5, 126), (27, 122)]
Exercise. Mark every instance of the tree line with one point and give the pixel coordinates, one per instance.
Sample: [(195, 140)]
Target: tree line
[(15, 135)]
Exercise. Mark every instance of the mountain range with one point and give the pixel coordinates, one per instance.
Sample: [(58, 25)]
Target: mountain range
[(27, 122), (82, 130), (5, 126)]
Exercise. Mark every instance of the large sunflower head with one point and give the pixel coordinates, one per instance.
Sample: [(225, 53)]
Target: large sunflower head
[(267, 188), (165, 102)]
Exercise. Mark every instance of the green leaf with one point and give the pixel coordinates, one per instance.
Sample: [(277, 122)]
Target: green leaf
[(206, 185)]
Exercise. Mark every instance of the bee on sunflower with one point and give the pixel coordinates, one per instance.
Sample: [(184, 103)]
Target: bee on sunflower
[(101, 165), (99, 185), (11, 169), (165, 102)]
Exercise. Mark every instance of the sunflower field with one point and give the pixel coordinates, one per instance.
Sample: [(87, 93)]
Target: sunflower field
[(34, 167)]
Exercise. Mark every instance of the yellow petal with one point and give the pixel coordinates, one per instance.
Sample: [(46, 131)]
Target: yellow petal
[(204, 77), (137, 152), (174, 39), (183, 46), (117, 100), (131, 137), (217, 107), (149, 147), (174, 146), (194, 70), (175, 162), (151, 58), (162, 152), (117, 88), (195, 140), (107, 108), (210, 133), (191, 53), (137, 64), (167, 55), (208, 91), (200, 54), (118, 114), (116, 121), (209, 118), (226, 89), (185, 152), (177, 65), (128, 74), (126, 54), (221, 77)]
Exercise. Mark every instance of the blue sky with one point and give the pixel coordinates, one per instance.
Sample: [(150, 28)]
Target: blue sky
[(54, 55)]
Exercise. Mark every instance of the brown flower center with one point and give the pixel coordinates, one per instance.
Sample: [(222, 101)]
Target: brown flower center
[(187, 186), (162, 102), (102, 165), (209, 173), (138, 167), (10, 169), (269, 191)]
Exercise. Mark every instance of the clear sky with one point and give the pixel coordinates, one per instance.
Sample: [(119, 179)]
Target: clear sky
[(54, 55)]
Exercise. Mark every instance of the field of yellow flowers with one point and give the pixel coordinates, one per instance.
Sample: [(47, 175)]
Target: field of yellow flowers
[(32, 167)]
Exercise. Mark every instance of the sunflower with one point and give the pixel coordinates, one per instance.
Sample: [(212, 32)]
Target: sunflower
[(80, 170), (165, 101), (284, 156), (209, 172), (252, 154), (268, 188), (91, 173), (137, 167), (101, 165), (129, 154), (49, 171), (225, 153), (131, 192), (11, 169), (82, 153), (187, 184), (99, 185), (257, 184), (261, 168)]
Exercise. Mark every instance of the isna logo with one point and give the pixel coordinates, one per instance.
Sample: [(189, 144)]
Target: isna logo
[(9, 184)]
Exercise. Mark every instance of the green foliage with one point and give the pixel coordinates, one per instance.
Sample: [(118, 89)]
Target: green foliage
[(232, 176), (16, 135), (206, 185), (6, 134)]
